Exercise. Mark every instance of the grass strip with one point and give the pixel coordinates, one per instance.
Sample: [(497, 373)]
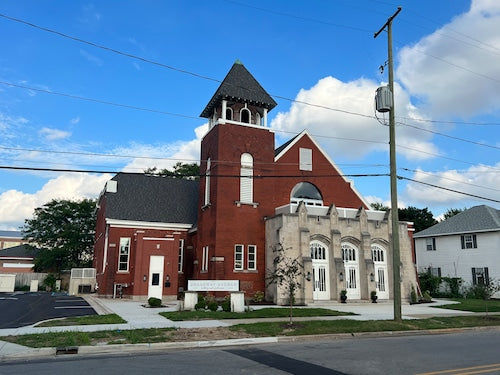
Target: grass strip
[(83, 320), (474, 305), (267, 312)]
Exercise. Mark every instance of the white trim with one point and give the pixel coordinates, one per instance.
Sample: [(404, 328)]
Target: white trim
[(132, 224), (456, 233), (300, 136), (18, 265), (158, 238)]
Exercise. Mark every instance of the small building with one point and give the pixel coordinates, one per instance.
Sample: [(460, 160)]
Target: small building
[(11, 238), (17, 259), (466, 245)]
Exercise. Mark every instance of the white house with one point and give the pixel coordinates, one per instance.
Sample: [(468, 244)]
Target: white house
[(466, 245)]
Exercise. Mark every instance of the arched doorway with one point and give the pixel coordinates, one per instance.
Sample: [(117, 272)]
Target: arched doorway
[(351, 266), (379, 257), (321, 276)]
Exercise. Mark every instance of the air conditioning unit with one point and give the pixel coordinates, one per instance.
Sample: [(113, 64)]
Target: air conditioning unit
[(383, 99)]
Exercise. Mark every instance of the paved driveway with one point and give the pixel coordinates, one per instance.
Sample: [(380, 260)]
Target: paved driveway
[(22, 309)]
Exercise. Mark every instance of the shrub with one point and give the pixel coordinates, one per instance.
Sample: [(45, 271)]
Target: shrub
[(429, 282), (413, 295), (154, 302), (202, 303), (226, 304), (258, 296), (427, 296), (212, 305), (50, 282)]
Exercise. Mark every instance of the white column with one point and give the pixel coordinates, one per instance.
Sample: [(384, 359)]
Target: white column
[(265, 118), (224, 106)]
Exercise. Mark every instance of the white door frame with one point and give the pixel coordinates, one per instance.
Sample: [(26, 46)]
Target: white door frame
[(155, 285), (379, 257), (350, 255), (320, 268)]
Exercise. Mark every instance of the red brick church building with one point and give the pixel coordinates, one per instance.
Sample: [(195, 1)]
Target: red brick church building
[(156, 233)]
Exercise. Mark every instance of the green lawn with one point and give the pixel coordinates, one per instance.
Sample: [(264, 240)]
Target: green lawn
[(267, 312), (474, 305), (83, 320)]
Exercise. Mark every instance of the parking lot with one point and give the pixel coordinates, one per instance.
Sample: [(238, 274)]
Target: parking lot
[(20, 309)]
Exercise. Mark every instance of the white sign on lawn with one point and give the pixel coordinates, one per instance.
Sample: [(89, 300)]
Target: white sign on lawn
[(213, 285)]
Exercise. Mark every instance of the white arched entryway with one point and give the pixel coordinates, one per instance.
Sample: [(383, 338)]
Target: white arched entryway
[(379, 257), (321, 276), (351, 266)]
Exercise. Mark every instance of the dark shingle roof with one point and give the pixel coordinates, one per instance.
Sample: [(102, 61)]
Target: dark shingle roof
[(141, 197), (476, 219), (20, 251), (240, 86)]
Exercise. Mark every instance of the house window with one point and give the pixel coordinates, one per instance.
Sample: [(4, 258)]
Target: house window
[(469, 241), (246, 178), (430, 244), (181, 255), (318, 251), (238, 257), (378, 254), (305, 159), (480, 276), (204, 259), (245, 115), (124, 254), (434, 271), (207, 184), (348, 253), (252, 257)]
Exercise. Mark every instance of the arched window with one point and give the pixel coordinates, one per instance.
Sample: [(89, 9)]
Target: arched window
[(318, 250), (229, 114), (245, 115), (378, 254), (348, 253), (307, 192), (246, 178), (258, 119)]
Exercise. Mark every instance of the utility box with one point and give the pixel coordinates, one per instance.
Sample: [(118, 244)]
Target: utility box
[(383, 99), (7, 282)]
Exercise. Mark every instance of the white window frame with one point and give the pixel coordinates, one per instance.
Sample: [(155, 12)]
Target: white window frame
[(204, 259), (430, 244), (207, 184), (124, 244), (305, 159), (180, 267), (252, 252), (469, 241), (246, 178), (239, 253)]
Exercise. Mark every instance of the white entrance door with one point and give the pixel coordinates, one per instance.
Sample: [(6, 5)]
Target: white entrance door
[(350, 257), (381, 281), (321, 278), (155, 288)]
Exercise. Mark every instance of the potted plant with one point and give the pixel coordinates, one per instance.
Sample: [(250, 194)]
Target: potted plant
[(373, 296), (343, 296)]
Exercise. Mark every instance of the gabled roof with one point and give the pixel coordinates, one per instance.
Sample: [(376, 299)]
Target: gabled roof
[(240, 86), (476, 219), (20, 251), (141, 197)]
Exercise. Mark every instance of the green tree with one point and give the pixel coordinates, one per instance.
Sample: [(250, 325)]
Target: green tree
[(286, 273), (422, 218), (63, 231), (452, 212), (378, 206), (189, 171)]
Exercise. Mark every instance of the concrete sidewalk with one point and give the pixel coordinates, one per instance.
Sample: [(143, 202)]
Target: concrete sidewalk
[(138, 316)]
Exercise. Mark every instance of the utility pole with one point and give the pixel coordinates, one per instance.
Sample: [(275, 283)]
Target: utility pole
[(394, 183)]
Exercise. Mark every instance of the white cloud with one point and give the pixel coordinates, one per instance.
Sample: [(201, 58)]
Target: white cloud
[(479, 180), (16, 206), (54, 134), (452, 71), (74, 120), (91, 58), (350, 130)]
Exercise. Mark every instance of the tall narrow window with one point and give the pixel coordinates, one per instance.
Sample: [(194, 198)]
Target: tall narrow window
[(207, 183), (204, 259), (469, 241), (245, 115), (305, 159), (252, 257), (480, 276), (123, 258), (238, 257), (258, 119), (430, 244), (229, 114), (181, 255), (246, 178)]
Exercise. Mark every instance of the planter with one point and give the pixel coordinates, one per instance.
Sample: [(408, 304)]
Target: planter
[(374, 299), (343, 298)]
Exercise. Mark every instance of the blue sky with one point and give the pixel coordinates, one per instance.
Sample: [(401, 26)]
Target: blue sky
[(123, 87)]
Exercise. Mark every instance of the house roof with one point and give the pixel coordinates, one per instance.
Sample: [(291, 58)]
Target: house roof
[(141, 197), (240, 86), (476, 219), (20, 251)]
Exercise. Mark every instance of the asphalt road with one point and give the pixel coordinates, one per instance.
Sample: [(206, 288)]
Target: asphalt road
[(474, 352), (22, 309)]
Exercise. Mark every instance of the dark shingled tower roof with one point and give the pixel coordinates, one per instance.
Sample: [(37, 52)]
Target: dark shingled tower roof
[(239, 86), (141, 197)]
